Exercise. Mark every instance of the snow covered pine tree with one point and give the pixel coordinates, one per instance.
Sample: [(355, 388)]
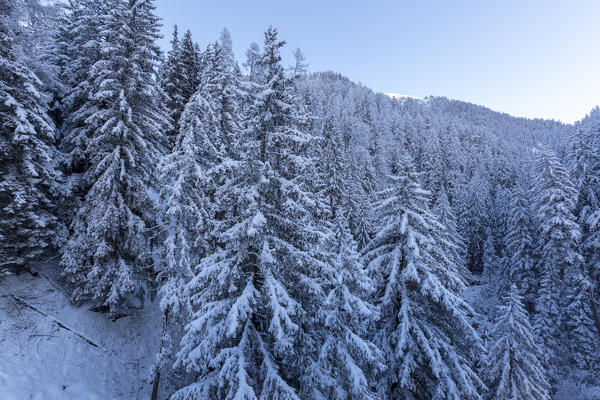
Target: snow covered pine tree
[(425, 332), (108, 255), (248, 337), (29, 180), (515, 370), (564, 293)]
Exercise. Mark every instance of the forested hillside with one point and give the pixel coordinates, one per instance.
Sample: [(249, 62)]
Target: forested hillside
[(298, 235)]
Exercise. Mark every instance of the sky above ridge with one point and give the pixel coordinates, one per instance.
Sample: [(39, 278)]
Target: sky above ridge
[(533, 58)]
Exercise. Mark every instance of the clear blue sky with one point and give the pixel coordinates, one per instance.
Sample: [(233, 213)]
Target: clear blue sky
[(532, 58)]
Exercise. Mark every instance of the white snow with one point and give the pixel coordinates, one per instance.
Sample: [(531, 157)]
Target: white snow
[(42, 361), (397, 96)]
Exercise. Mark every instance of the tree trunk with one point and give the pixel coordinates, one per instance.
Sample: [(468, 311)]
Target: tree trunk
[(156, 382)]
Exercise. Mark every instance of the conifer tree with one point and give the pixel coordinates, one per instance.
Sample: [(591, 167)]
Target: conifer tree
[(224, 83), (333, 166), (187, 211), (108, 254), (473, 218), (29, 182), (519, 267), (300, 67), (248, 337), (425, 332), (77, 48), (456, 249), (180, 76), (190, 68), (584, 165), (516, 370), (347, 362), (173, 80), (558, 246), (583, 335)]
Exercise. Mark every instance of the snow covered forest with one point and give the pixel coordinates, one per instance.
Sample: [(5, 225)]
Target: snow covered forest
[(227, 226)]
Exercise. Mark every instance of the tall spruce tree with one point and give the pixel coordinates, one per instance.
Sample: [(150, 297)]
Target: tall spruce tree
[(248, 337), (425, 332), (456, 248), (172, 82), (347, 362), (519, 267), (29, 182), (333, 166), (515, 370), (584, 164), (108, 255), (180, 76), (76, 50), (558, 247)]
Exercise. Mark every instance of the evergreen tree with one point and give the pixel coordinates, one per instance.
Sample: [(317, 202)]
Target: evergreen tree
[(190, 67), (300, 67), (456, 249), (190, 173), (77, 48), (223, 80), (519, 267), (584, 164), (347, 362), (248, 337), (491, 262), (252, 64), (558, 246), (29, 182), (473, 218), (516, 371), (583, 335), (425, 331), (333, 167), (180, 76), (108, 255), (172, 82)]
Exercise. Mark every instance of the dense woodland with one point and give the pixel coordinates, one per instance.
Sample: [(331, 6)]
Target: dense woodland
[(304, 237)]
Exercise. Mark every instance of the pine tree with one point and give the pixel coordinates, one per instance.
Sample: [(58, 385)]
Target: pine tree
[(252, 63), (347, 361), (516, 371), (300, 67), (473, 218), (29, 182), (333, 167), (519, 267), (490, 260), (558, 246), (248, 336), (582, 332), (584, 165), (180, 76), (224, 83), (190, 173), (76, 50), (190, 68), (108, 255), (425, 331), (172, 82), (456, 249)]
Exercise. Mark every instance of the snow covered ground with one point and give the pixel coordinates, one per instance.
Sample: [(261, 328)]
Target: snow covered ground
[(39, 360)]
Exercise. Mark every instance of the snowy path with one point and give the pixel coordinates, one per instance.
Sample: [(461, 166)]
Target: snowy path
[(41, 360)]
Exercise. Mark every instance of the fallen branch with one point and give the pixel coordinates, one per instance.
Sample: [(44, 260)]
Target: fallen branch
[(56, 321)]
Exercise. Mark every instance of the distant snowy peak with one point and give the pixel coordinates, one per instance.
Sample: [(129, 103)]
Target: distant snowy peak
[(398, 96)]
